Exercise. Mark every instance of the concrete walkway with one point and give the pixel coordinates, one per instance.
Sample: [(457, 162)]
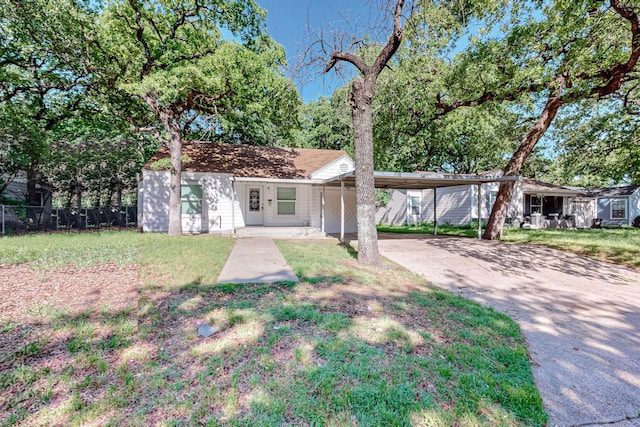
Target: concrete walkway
[(256, 260), (580, 317)]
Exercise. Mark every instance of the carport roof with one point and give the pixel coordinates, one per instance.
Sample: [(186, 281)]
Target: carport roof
[(419, 180)]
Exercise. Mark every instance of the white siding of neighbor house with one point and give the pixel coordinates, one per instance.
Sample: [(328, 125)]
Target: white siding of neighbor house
[(395, 211), (634, 202), (584, 210), (342, 164), (456, 205), (604, 211)]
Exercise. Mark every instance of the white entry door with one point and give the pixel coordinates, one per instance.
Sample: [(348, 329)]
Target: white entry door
[(255, 206)]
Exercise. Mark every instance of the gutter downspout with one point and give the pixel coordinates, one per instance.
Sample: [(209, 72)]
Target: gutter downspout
[(435, 211), (341, 211), (233, 205), (479, 215), (322, 213)]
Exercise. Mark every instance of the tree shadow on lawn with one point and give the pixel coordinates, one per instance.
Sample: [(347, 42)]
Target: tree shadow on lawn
[(320, 352), (329, 353)]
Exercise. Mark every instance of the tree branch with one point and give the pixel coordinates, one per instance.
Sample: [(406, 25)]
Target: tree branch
[(393, 42)]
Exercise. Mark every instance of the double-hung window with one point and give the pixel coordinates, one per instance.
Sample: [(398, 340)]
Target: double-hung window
[(286, 198), (618, 209), (191, 199), (415, 205)]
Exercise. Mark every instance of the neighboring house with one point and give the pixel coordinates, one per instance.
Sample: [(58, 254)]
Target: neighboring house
[(617, 205), (548, 205), (455, 205), (534, 201), (228, 186)]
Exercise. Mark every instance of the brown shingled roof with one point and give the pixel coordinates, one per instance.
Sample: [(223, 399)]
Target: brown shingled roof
[(530, 184), (250, 161)]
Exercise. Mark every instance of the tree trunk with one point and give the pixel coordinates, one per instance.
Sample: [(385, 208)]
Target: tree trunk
[(361, 97), (505, 193), (175, 189), (170, 122), (32, 197)]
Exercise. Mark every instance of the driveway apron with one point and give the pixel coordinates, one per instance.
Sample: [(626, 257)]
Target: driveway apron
[(580, 317)]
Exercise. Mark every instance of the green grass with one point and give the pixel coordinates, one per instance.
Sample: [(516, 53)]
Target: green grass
[(78, 249), (348, 345), (617, 245), (470, 230)]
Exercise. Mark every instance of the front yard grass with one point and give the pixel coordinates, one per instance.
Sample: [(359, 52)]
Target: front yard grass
[(348, 345)]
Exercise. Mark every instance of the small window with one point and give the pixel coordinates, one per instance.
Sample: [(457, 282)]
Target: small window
[(618, 209), (286, 200), (415, 205), (191, 200)]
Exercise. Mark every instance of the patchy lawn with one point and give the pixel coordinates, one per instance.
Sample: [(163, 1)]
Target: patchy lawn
[(347, 346)]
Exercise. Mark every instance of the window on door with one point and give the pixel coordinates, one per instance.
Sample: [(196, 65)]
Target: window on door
[(191, 199), (286, 199), (618, 209)]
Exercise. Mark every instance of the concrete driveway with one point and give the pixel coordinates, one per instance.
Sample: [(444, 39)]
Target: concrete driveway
[(581, 317)]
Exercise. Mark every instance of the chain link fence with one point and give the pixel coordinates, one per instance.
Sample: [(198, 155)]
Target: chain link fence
[(18, 219)]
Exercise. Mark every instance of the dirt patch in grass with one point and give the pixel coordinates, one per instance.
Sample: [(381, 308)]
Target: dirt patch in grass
[(30, 295)]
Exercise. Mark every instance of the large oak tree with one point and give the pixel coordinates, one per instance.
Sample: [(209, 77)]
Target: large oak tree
[(173, 55), (557, 55)]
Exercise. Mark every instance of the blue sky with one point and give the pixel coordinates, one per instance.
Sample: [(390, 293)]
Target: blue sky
[(287, 22)]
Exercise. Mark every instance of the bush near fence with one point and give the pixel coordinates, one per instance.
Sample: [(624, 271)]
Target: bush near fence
[(18, 219)]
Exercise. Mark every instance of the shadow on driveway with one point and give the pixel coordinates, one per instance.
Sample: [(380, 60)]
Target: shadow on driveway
[(581, 317)]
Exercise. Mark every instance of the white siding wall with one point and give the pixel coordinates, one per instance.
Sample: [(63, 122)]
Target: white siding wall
[(337, 167), (395, 212), (216, 203), (315, 206), (634, 204), (584, 210), (455, 205), (303, 215), (332, 210)]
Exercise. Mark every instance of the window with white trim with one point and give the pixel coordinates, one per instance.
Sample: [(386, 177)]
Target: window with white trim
[(618, 208), (415, 205), (286, 200), (191, 199)]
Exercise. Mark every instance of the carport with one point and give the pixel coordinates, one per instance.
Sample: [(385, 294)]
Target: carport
[(415, 181)]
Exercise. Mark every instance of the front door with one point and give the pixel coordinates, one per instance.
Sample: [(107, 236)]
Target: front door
[(255, 206)]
